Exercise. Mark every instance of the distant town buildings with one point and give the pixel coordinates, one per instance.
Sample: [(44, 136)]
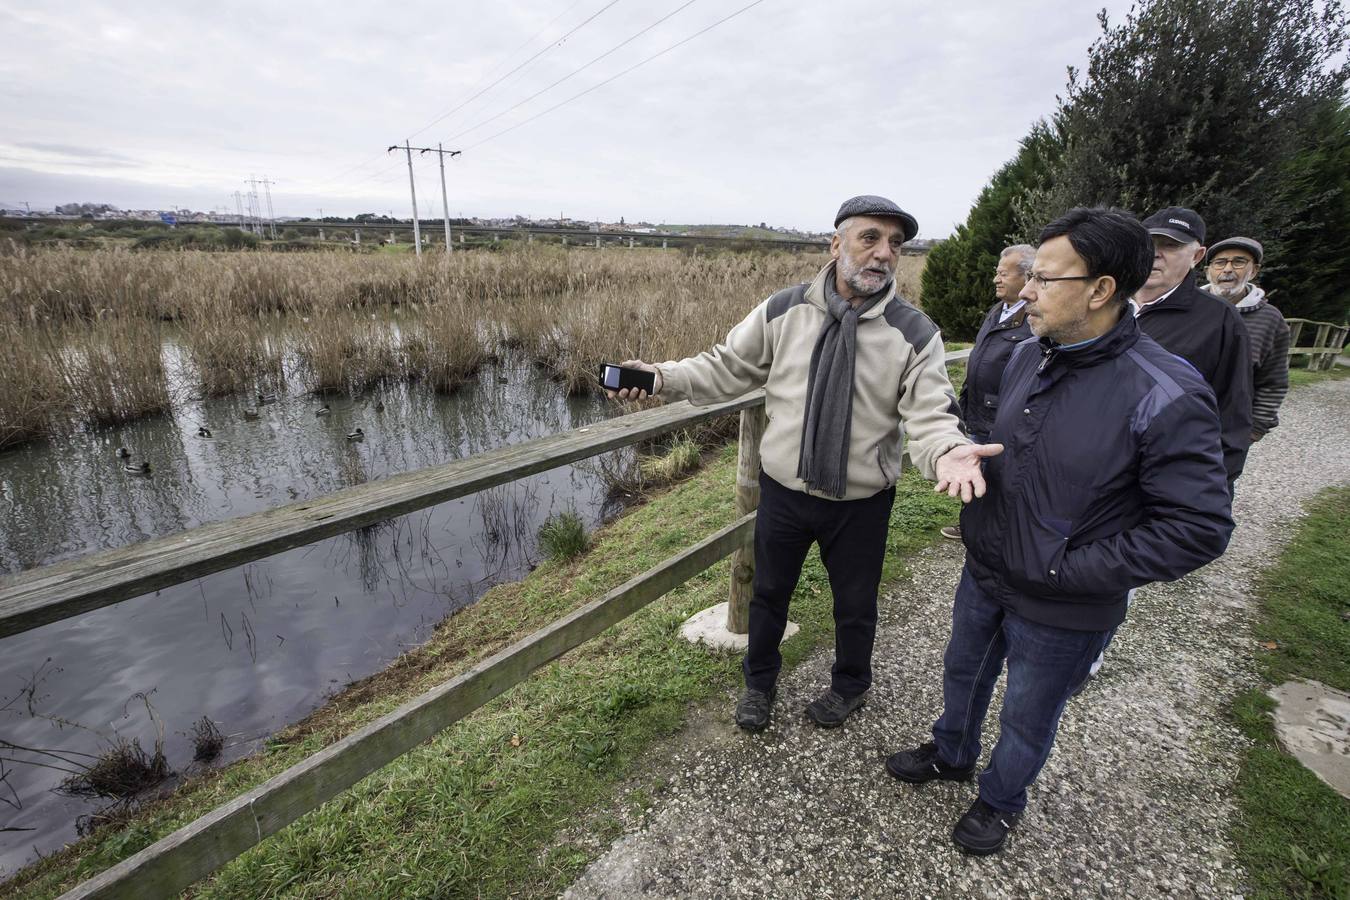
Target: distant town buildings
[(186, 216)]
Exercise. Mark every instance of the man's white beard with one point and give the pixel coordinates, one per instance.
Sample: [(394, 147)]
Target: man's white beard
[(857, 277), (1232, 290)]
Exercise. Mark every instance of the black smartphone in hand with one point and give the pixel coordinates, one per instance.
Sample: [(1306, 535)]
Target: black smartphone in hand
[(616, 378)]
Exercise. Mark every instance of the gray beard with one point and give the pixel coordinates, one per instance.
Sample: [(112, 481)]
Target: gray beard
[(853, 277), (1236, 291)]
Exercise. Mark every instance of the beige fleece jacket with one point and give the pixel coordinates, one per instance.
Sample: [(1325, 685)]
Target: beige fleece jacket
[(900, 384)]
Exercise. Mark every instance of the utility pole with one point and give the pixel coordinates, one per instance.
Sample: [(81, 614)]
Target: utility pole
[(271, 219), (254, 211), (412, 187), (445, 204), (239, 208)]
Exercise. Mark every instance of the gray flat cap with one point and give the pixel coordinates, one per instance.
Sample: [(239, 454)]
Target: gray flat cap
[(1242, 243), (872, 205)]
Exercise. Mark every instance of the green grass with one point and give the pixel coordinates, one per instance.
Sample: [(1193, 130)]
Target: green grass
[(493, 805), (683, 457), (563, 536), (1301, 376), (1294, 833)]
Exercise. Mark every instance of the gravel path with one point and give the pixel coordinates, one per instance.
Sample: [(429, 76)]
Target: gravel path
[(1134, 802)]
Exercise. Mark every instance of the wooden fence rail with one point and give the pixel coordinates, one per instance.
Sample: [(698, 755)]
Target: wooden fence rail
[(52, 593), (196, 850), (199, 848), (1327, 343)]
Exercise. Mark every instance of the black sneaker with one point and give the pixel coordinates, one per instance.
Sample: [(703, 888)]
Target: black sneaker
[(922, 764), (830, 709), (983, 829), (752, 710)]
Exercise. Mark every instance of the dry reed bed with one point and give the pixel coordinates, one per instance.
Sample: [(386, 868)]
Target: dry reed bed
[(81, 331)]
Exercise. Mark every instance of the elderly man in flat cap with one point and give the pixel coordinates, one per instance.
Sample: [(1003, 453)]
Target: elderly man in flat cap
[(846, 363), (1231, 265), (1188, 322)]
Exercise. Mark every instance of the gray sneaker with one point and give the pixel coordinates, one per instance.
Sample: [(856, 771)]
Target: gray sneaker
[(951, 532), (830, 709), (752, 710)]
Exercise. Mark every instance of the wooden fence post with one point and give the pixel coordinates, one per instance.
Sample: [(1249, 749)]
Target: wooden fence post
[(1295, 330), (753, 421)]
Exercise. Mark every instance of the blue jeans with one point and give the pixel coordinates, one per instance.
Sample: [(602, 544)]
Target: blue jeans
[(1044, 665)]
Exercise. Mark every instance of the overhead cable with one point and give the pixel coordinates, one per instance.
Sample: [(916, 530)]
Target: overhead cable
[(577, 71), (601, 84)]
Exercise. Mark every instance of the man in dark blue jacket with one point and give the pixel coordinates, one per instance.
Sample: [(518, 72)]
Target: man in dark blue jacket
[(1188, 322), (1004, 327), (1112, 476)]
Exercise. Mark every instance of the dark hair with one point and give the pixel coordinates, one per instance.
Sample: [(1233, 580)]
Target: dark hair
[(1111, 242)]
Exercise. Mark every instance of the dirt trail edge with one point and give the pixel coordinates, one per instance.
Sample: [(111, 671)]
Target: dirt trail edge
[(1134, 802)]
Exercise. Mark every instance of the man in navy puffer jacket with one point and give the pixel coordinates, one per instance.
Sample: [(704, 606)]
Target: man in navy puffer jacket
[(1112, 477)]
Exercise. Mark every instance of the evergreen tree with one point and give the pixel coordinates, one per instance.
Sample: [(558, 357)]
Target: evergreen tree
[(1308, 259), (958, 276), (1198, 104)]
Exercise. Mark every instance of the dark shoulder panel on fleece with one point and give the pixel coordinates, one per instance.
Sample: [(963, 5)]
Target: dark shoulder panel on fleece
[(785, 299), (916, 327)]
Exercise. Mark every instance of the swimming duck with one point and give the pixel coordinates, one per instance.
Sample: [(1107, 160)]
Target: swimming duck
[(251, 413), (137, 468), (123, 453), (266, 398), (204, 432), (357, 435), (322, 410)]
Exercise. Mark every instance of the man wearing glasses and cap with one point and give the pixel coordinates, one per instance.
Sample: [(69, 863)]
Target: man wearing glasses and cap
[(1112, 478), (1197, 326), (1231, 265), (846, 363)]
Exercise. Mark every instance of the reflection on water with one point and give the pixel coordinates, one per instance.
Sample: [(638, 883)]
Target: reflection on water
[(258, 646)]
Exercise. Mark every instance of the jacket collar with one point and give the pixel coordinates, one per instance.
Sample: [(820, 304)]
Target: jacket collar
[(1181, 298), (815, 294), (1013, 321), (1121, 337)]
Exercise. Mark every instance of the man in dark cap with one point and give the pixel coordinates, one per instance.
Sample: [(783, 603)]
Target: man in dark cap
[(1231, 266), (1198, 327), (845, 363)]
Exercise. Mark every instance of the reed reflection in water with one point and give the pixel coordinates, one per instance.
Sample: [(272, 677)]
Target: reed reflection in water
[(257, 647)]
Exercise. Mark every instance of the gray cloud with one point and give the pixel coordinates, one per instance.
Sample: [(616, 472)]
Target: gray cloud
[(774, 116)]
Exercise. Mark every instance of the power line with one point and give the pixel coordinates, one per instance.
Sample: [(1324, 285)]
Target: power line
[(556, 43), (528, 41), (615, 77), (574, 71)]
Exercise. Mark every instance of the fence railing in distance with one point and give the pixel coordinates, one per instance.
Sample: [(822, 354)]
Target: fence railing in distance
[(1328, 341)]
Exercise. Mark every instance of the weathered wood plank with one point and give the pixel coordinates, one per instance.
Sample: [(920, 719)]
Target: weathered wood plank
[(199, 848), (51, 593), (753, 423)]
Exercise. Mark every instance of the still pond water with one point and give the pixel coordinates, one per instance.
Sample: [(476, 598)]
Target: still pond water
[(257, 647)]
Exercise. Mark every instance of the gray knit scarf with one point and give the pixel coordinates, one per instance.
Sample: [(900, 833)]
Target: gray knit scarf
[(828, 424)]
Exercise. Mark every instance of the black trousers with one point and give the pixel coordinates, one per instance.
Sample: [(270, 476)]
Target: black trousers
[(852, 539)]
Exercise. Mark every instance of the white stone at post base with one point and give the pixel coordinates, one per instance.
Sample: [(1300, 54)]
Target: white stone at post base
[(710, 628)]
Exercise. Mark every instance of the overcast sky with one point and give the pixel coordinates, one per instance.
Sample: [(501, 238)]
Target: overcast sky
[(774, 115)]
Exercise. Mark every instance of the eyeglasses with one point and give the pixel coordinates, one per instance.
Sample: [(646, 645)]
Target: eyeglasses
[(1237, 262), (1041, 281)]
